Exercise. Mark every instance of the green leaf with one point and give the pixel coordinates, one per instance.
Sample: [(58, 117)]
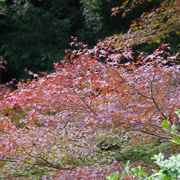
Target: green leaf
[(127, 166), (176, 139), (113, 176), (121, 177), (137, 170), (174, 128), (2, 175), (165, 124)]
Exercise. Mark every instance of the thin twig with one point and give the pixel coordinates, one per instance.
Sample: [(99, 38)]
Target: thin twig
[(132, 86), (154, 101)]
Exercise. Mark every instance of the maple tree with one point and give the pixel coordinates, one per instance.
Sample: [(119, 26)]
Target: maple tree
[(151, 27), (128, 5), (58, 121)]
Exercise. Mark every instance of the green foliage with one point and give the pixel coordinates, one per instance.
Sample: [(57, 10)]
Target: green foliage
[(134, 173), (153, 27), (22, 171), (172, 129), (36, 40), (128, 6), (34, 34), (114, 176), (143, 151), (92, 13), (171, 38), (168, 169)]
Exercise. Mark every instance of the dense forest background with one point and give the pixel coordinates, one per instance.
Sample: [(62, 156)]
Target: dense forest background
[(34, 34)]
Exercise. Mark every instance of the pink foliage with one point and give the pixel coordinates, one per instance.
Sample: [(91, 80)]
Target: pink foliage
[(55, 120)]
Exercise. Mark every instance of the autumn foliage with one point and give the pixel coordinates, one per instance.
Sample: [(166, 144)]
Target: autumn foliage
[(58, 120)]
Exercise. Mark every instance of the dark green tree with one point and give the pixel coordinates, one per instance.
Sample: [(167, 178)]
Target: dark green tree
[(34, 39)]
